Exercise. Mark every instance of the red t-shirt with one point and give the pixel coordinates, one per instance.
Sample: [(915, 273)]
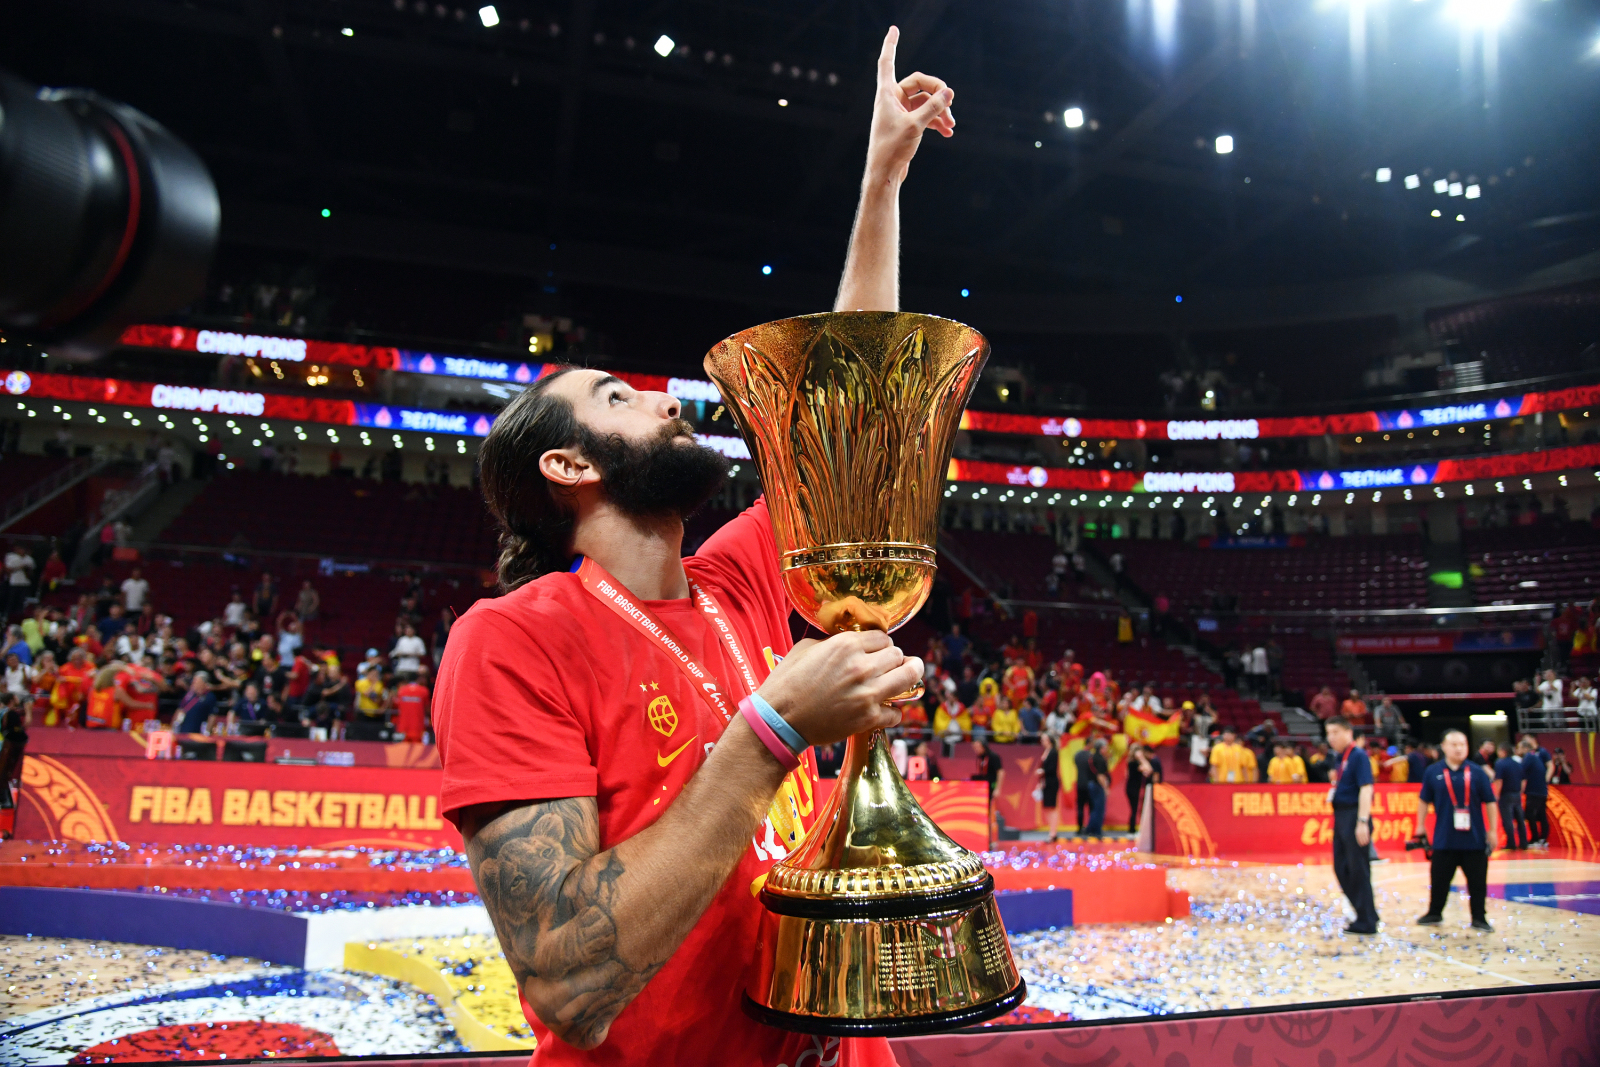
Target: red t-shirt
[(299, 678), (142, 686), (411, 706), (546, 693)]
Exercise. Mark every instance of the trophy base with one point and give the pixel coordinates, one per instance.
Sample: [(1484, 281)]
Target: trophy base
[(904, 965), (909, 1027)]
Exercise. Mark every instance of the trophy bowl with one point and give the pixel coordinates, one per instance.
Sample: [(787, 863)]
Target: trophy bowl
[(877, 922)]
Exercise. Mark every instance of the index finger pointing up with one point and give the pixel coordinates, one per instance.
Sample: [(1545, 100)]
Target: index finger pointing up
[(886, 79)]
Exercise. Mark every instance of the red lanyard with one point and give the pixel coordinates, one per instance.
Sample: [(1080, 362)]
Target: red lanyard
[(606, 588), (1450, 788), (1344, 758)]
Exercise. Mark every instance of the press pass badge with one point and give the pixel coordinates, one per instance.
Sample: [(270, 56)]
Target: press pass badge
[(1462, 816)]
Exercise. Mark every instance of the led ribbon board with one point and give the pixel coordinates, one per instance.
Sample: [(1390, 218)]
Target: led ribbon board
[(1224, 429), (1400, 476), (206, 401)]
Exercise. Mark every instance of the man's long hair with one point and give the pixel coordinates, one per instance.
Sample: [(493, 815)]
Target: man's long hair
[(535, 523), (665, 474)]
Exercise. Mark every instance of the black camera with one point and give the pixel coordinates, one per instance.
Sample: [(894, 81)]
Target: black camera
[(106, 218), (1419, 841)]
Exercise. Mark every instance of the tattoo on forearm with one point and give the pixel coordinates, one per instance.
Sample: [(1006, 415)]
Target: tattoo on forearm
[(552, 899)]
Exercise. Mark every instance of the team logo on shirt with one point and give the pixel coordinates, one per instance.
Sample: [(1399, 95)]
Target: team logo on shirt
[(662, 716)]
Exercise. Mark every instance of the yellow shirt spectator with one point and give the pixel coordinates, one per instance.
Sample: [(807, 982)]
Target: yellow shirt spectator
[(370, 695), (1007, 724), (1285, 770), (1233, 763)]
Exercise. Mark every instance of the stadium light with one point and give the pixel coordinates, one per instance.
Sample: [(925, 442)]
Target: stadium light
[(664, 46), (1072, 118), (1384, 174), (1474, 191), (348, 32), (1441, 186), (1413, 181), (488, 16), (1481, 14), (1456, 189), (1224, 144)]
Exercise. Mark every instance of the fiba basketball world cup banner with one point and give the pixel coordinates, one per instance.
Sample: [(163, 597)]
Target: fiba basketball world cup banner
[(186, 802), (1205, 821), (183, 802)]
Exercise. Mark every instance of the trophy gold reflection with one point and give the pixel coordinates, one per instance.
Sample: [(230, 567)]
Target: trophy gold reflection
[(877, 923)]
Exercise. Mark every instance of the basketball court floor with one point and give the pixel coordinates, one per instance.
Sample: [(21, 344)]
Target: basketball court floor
[(1260, 934)]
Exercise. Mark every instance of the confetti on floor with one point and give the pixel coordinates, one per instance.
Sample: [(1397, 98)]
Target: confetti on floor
[(69, 997), (1258, 935)]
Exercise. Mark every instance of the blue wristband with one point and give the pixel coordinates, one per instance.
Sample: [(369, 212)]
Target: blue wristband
[(788, 734)]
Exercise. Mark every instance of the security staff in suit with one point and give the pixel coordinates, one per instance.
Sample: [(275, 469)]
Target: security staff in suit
[(1351, 798), (1460, 792)]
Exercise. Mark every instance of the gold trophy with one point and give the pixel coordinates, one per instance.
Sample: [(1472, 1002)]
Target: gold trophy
[(877, 923)]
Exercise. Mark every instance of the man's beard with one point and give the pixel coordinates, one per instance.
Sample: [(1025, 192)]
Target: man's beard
[(667, 474)]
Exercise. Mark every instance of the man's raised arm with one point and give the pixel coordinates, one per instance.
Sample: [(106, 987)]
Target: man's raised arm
[(584, 930), (901, 111)]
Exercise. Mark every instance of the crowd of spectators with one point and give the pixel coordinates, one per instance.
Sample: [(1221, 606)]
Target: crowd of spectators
[(975, 692), (112, 660)]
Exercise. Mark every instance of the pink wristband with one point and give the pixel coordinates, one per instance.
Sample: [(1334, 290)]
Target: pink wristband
[(774, 743)]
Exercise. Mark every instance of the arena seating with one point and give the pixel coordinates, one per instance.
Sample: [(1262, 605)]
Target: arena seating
[(1309, 662), (1538, 563), (1326, 359), (18, 471), (1022, 560), (358, 610), (1342, 572), (342, 517), (1523, 336), (1014, 563)]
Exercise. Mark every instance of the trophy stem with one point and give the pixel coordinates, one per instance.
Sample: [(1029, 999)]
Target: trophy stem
[(857, 750)]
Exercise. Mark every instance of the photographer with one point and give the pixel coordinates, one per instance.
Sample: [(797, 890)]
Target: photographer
[(1458, 790)]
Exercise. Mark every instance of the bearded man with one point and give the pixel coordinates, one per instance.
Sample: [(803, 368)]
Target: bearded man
[(626, 733)]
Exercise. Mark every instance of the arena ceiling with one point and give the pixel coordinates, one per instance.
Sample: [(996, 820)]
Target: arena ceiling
[(560, 145)]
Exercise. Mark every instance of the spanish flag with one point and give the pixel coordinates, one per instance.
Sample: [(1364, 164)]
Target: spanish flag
[(1149, 728)]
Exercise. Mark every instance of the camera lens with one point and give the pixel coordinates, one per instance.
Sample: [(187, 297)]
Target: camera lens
[(105, 217)]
